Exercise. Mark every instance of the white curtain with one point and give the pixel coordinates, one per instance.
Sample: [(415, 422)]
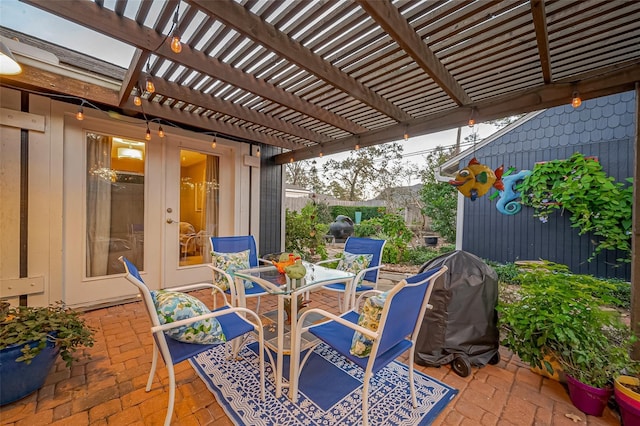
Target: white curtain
[(211, 204), (99, 179)]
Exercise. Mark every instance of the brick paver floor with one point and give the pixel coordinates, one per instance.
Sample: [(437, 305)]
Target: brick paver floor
[(109, 389)]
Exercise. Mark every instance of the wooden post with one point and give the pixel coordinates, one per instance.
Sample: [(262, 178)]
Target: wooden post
[(635, 237)]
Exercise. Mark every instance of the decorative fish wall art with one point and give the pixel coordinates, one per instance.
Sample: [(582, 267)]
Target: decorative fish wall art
[(476, 179)]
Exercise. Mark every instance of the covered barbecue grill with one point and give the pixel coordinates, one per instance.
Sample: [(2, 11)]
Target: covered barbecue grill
[(462, 328)]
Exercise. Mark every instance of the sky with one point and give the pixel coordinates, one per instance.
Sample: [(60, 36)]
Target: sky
[(37, 23)]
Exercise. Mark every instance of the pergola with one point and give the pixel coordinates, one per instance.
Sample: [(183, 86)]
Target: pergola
[(322, 77)]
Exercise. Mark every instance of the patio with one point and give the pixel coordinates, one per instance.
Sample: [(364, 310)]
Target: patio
[(109, 388)]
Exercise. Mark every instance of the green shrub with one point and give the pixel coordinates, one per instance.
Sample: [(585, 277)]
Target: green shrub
[(390, 227), (304, 234)]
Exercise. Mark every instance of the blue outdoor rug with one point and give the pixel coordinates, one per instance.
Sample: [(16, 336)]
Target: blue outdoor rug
[(328, 396)]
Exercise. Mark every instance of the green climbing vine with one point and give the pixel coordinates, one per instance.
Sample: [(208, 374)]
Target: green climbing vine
[(597, 203)]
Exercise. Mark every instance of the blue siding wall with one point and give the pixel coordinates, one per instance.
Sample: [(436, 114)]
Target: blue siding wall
[(603, 127), (271, 185)]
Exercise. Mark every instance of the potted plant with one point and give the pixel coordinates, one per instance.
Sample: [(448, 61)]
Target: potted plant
[(559, 315), (30, 340)]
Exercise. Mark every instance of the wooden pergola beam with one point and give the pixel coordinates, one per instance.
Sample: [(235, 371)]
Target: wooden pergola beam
[(391, 20), (542, 38), (545, 96), (210, 102), (234, 15), (92, 16)]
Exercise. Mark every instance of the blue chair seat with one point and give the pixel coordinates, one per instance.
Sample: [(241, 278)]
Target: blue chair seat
[(399, 323)]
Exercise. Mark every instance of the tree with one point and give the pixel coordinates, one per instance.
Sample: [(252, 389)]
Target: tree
[(439, 198), (349, 178), (305, 175)]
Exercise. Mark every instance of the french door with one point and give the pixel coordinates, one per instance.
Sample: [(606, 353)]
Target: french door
[(154, 202)]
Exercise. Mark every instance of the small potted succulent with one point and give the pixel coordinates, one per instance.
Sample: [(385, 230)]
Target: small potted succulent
[(31, 339)]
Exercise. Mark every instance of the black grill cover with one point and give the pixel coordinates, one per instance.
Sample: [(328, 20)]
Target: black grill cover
[(464, 319)]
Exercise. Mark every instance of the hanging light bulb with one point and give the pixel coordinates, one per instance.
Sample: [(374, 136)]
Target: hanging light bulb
[(213, 143), (80, 114), (357, 147), (406, 133), (291, 159), (137, 100), (472, 118), (160, 132), (320, 155), (176, 45), (149, 86), (258, 152), (575, 99), (147, 136)]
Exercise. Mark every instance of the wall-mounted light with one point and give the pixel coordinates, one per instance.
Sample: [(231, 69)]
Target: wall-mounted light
[(131, 153), (8, 64)]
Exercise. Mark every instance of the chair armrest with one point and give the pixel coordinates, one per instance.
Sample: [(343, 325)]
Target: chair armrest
[(364, 295), (355, 327)]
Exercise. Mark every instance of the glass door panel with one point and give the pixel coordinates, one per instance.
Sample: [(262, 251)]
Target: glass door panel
[(199, 203), (115, 203)]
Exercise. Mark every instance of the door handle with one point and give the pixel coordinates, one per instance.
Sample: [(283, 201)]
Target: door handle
[(171, 220)]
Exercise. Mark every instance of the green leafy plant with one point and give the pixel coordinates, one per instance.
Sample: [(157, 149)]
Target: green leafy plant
[(597, 204), (561, 314), (304, 233), (56, 323), (390, 227)]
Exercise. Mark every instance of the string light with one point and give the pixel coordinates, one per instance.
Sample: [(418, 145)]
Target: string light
[(357, 147), (137, 100), (472, 119), (149, 86), (320, 155), (213, 143), (176, 45), (147, 136), (160, 132), (406, 133), (291, 159), (575, 99), (80, 114), (258, 152)]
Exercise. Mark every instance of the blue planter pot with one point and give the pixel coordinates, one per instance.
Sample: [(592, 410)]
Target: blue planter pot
[(19, 379)]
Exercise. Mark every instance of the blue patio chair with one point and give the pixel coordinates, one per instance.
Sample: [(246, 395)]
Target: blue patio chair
[(358, 246), (236, 244), (400, 316), (232, 323)]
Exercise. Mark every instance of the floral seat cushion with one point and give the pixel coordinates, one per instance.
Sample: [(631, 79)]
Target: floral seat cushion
[(369, 318), (174, 306), (230, 263), (354, 263)]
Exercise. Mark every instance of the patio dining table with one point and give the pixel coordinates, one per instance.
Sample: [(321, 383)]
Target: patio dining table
[(278, 284)]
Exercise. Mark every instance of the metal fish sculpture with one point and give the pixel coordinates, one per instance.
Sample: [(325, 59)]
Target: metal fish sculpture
[(476, 179)]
